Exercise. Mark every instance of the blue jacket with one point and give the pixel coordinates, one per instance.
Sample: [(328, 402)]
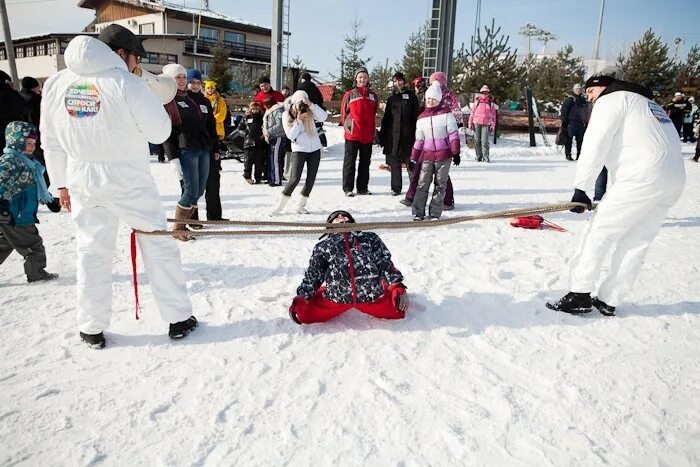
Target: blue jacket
[(24, 206)]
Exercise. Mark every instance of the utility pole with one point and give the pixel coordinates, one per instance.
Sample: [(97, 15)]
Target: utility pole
[(276, 44), (9, 46), (596, 53)]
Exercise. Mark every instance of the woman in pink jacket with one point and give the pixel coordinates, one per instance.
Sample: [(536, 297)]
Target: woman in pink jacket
[(482, 118)]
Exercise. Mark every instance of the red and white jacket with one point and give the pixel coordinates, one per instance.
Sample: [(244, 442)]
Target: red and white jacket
[(437, 136), (357, 111)]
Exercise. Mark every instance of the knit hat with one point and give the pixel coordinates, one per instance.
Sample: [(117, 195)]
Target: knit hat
[(484, 88), (193, 73), (360, 70), (29, 83), (264, 79), (299, 96), (209, 84), (440, 77), (577, 86), (418, 81), (174, 69), (399, 75), (434, 92), (604, 77)]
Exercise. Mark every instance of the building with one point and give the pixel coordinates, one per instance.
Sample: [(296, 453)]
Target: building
[(171, 34)]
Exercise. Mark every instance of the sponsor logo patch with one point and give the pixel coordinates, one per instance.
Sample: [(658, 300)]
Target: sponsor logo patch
[(658, 112), (82, 100)]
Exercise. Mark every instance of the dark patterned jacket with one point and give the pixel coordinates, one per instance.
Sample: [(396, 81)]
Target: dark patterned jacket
[(355, 267)]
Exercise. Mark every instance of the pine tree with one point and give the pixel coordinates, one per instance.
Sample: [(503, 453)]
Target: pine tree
[(220, 71), (412, 61), (380, 80), (350, 59), (553, 78), (689, 71), (648, 64), (490, 61)]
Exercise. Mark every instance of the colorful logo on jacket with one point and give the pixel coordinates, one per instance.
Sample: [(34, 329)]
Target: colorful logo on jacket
[(658, 112), (82, 100)]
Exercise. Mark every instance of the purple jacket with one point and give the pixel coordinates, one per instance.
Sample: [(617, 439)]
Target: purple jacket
[(437, 136)]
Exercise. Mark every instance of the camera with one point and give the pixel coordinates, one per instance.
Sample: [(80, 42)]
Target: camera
[(303, 107)]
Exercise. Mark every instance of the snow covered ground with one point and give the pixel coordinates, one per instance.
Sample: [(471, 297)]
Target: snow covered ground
[(479, 373)]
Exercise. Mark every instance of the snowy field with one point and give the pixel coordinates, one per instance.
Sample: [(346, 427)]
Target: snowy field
[(479, 373)]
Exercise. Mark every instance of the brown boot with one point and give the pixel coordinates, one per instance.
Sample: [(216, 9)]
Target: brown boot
[(184, 214), (195, 216)]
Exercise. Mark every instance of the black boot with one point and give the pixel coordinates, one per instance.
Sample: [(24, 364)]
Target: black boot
[(603, 307), (568, 157), (181, 329), (573, 302), (195, 216), (42, 275), (95, 341)]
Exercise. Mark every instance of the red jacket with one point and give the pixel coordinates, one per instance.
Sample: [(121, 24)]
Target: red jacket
[(357, 111), (276, 95)]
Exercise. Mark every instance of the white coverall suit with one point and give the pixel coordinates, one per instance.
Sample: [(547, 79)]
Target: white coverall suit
[(97, 119), (634, 138)]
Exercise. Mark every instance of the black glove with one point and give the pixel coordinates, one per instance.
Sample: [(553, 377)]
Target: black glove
[(456, 159), (5, 216), (411, 165), (54, 205), (581, 197)]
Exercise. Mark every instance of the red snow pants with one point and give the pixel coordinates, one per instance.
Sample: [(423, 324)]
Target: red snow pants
[(320, 309)]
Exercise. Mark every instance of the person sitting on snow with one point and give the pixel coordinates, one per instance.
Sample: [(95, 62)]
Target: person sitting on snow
[(636, 141), (358, 273)]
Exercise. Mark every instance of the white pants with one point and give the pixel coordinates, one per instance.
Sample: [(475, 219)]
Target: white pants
[(628, 218), (100, 197)]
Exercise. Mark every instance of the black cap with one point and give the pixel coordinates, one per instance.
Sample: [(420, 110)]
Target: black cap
[(29, 83), (306, 76), (399, 75), (335, 214), (4, 77), (599, 81), (264, 79), (118, 37)]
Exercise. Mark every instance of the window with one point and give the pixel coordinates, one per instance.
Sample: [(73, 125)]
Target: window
[(236, 37), (3, 55), (204, 67), (171, 58), (151, 57), (29, 52), (19, 52), (208, 33), (147, 28), (51, 48), (41, 49), (64, 44)]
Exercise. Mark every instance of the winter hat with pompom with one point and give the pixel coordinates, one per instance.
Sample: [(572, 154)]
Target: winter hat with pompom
[(299, 96), (434, 92)]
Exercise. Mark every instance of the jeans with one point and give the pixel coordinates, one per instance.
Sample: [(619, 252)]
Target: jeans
[(352, 148), (195, 171), (312, 160), (601, 185), (432, 170), (481, 139)]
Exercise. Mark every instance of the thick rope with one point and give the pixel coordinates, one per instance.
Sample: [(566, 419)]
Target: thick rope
[(321, 228)]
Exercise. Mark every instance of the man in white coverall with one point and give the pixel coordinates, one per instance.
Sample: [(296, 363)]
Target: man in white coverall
[(633, 137), (97, 120)]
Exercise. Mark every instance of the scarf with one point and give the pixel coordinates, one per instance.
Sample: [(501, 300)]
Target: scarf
[(42, 191)]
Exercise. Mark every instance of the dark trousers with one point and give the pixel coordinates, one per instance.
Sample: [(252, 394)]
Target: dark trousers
[(312, 161), (275, 160), (352, 148), (255, 161), (415, 177), (26, 241), (394, 162), (574, 130), (212, 194), (601, 185), (688, 133), (697, 151)]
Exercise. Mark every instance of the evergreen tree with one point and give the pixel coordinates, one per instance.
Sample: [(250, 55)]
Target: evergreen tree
[(412, 61), (380, 80), (350, 57), (648, 64), (553, 78), (490, 61), (220, 71), (689, 72)]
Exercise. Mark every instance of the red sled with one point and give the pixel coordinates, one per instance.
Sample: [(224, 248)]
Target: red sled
[(535, 222)]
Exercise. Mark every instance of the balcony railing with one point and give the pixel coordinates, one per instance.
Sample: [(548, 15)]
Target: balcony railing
[(236, 50)]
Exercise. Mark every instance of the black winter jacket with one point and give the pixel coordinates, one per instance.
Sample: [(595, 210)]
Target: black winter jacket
[(574, 110), (355, 267), (398, 131), (209, 121), (12, 108), (312, 91), (253, 131)]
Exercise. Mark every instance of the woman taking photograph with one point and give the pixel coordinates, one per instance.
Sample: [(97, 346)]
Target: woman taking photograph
[(187, 148), (299, 120)]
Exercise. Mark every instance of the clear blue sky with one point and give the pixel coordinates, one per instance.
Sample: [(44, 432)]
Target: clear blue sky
[(318, 26)]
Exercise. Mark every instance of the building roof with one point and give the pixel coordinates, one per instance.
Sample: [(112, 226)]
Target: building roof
[(71, 35)]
